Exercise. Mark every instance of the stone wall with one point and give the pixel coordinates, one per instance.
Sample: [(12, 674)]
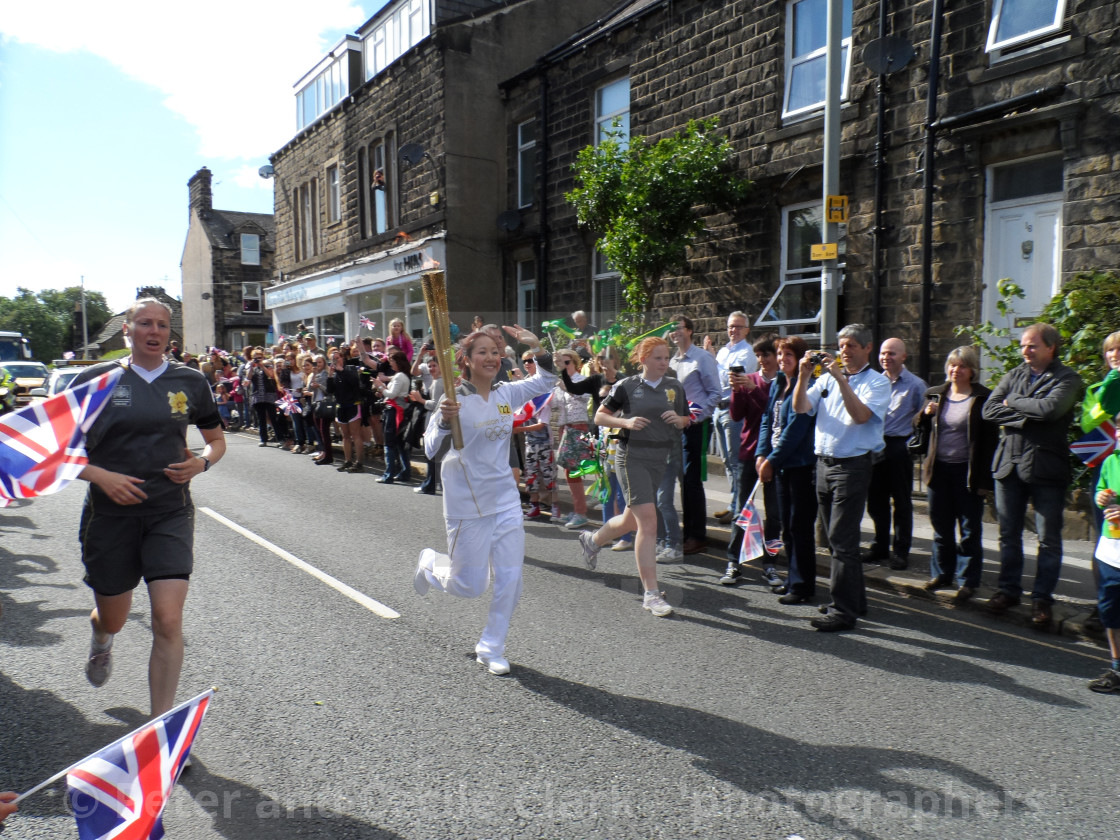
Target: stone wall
[(699, 58)]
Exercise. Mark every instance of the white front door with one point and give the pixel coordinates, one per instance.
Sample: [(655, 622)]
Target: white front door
[(1024, 245)]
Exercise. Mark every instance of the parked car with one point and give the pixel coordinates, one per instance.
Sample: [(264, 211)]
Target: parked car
[(27, 375), (59, 380)]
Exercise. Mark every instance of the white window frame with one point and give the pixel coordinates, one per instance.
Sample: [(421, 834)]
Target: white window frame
[(250, 249), (526, 165), (403, 27), (526, 284), (602, 275), (792, 277), (380, 205), (793, 62), (604, 121), (251, 292), (334, 195), (998, 10)]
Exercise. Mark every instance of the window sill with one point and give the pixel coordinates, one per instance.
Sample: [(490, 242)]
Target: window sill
[(1002, 68), (810, 124)]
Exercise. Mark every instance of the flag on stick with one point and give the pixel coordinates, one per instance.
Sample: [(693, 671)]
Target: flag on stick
[(531, 409), (120, 791), (43, 447), (368, 324), (1096, 445), (659, 332)]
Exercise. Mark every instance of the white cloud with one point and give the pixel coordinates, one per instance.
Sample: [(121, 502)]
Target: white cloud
[(226, 67)]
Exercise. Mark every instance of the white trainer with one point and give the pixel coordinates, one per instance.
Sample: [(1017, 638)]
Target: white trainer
[(589, 548), (670, 554), (622, 545), (99, 666), (655, 602), (496, 665)]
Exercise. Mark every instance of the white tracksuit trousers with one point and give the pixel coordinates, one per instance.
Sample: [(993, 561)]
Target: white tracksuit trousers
[(476, 546)]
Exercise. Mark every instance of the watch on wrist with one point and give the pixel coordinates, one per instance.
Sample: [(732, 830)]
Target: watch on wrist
[(205, 462)]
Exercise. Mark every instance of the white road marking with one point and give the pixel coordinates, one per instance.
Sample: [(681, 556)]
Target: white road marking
[(334, 583)]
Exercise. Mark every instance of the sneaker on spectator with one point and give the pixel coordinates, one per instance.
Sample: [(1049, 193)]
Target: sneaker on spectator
[(555, 513), (534, 512), (670, 554), (623, 545), (771, 578), (576, 521), (100, 663), (563, 520), (589, 548), (655, 602)]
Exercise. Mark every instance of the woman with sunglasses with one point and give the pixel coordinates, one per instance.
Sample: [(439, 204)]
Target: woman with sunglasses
[(598, 385), (571, 419)]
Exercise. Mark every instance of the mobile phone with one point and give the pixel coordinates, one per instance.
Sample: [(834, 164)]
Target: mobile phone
[(935, 398), (737, 369)]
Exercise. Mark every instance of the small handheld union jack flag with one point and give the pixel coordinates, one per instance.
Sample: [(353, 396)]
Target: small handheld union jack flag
[(43, 446), (120, 791), (368, 324), (531, 409), (1096, 445), (288, 404)]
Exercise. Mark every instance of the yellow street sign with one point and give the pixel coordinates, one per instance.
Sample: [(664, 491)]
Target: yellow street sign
[(837, 207), (825, 251)]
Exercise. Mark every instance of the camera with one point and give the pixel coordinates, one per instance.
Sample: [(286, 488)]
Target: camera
[(817, 357), (737, 369)]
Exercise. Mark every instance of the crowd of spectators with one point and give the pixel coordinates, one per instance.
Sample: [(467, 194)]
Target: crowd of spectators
[(815, 438)]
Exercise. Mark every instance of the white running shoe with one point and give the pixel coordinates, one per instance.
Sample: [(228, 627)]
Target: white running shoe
[(576, 521), (100, 663), (420, 580), (622, 545), (589, 548), (496, 665), (670, 554), (655, 602)]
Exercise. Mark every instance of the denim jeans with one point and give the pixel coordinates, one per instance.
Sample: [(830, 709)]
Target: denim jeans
[(668, 523), (952, 504), (842, 496), (797, 500), (1012, 495), (728, 433)]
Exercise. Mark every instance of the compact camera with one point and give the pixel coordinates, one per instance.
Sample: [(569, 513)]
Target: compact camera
[(817, 357)]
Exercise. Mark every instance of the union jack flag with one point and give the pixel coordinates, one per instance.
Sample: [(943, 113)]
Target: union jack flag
[(754, 544), (368, 324), (288, 404), (1095, 446), (43, 447), (694, 410), (531, 409), (120, 792)]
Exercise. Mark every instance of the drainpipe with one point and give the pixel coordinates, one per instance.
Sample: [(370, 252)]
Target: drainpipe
[(928, 186), (878, 232), (542, 244)]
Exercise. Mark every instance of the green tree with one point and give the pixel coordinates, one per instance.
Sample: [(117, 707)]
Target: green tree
[(646, 200), (46, 318)]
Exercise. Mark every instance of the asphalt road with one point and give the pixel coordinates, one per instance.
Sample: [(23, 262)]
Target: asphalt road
[(733, 719)]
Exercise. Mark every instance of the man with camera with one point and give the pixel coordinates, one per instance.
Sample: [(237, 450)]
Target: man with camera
[(850, 402), (892, 477), (736, 356)]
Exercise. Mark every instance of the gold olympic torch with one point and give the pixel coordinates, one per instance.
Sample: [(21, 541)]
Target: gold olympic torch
[(435, 297)]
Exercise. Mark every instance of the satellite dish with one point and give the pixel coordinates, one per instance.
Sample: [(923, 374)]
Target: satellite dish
[(888, 54), (509, 221), (266, 171), (412, 153)]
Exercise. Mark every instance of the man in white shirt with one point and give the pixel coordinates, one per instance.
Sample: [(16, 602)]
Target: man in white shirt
[(738, 354), (699, 376), (850, 401)]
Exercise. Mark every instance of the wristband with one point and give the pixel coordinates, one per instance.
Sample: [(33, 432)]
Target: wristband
[(206, 462)]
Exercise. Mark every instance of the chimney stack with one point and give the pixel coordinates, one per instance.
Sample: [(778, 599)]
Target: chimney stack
[(202, 198)]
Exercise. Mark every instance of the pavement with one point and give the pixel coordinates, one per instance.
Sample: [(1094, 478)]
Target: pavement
[(1075, 597)]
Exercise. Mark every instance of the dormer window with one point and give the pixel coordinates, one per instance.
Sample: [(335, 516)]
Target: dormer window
[(250, 249)]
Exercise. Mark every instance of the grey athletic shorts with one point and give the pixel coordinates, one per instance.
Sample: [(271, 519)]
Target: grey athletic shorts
[(640, 470), (119, 551)]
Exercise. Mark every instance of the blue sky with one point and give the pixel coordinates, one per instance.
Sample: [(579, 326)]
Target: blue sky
[(107, 110)]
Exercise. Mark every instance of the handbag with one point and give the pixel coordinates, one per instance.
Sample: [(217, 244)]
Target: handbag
[(575, 448), (325, 408), (919, 441)]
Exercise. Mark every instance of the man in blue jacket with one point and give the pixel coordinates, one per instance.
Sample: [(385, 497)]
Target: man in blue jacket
[(1033, 406)]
